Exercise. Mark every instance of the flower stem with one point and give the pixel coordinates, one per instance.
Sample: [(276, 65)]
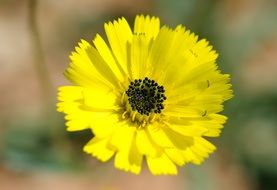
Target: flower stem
[(39, 60), (43, 76)]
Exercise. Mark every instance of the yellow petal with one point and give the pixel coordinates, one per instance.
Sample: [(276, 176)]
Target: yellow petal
[(145, 143), (122, 161), (79, 117), (168, 54), (108, 57), (122, 138), (101, 66), (192, 156), (189, 130), (179, 140), (104, 124), (82, 72), (98, 148), (159, 53), (198, 73), (219, 84), (128, 157), (159, 136), (184, 111), (70, 93), (213, 123), (139, 51), (201, 149), (118, 34), (161, 165), (176, 156), (147, 26), (100, 100), (167, 138), (202, 105)]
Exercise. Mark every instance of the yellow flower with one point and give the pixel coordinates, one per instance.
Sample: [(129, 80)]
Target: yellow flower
[(151, 92)]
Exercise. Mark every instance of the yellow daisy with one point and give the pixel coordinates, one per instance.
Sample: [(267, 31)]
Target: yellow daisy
[(152, 92)]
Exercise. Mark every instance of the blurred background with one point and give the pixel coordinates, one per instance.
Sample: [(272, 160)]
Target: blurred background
[(36, 38)]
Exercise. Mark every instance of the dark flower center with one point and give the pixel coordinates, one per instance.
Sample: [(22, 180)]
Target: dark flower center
[(146, 96)]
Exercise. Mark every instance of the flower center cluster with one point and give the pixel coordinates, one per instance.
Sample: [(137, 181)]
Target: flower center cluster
[(146, 96)]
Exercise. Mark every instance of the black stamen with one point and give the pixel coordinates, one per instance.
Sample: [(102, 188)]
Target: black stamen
[(146, 96)]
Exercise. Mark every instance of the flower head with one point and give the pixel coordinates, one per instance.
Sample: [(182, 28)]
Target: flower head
[(152, 92)]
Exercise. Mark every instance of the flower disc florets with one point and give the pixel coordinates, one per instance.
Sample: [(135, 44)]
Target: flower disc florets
[(146, 96)]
